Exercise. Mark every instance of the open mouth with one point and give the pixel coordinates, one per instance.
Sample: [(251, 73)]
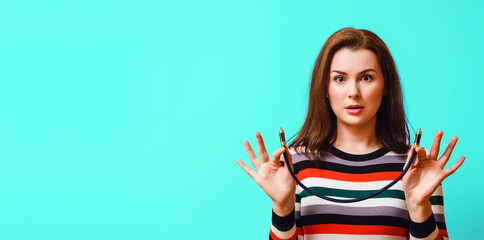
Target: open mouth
[(354, 107)]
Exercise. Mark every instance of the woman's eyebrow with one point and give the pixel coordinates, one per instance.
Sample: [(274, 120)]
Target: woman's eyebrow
[(340, 72), (364, 71), (368, 70)]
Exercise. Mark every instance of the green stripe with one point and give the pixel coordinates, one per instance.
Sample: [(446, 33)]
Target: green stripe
[(399, 194), (437, 200)]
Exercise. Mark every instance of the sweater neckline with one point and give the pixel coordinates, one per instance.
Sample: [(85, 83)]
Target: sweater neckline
[(358, 157)]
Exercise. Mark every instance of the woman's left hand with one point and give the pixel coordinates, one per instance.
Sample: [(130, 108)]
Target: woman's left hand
[(423, 178)]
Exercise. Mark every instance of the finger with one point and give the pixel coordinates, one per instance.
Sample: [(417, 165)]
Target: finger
[(408, 159), (422, 154), (434, 150), (276, 156), (252, 156), (454, 167), (247, 169), (262, 148), (448, 151)]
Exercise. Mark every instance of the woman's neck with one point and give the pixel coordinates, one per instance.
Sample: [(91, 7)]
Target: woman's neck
[(356, 139)]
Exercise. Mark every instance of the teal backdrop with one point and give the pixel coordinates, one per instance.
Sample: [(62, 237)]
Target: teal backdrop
[(124, 119)]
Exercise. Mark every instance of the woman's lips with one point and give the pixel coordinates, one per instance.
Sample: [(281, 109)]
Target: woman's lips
[(354, 109)]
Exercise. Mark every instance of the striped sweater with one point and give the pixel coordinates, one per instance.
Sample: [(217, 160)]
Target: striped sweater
[(343, 175)]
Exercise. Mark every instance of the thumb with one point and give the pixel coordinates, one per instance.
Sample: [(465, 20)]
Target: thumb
[(276, 156)]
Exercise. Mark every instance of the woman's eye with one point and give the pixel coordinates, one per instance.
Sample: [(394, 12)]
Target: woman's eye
[(339, 79), (366, 78)]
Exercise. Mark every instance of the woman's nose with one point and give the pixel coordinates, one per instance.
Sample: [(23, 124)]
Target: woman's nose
[(353, 91)]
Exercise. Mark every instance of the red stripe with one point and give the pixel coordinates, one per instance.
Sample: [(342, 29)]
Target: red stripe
[(360, 177), (299, 231), (442, 233), (355, 229), (274, 237)]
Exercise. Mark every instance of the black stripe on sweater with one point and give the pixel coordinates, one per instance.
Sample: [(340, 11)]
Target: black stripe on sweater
[(285, 223), (354, 220), (424, 229)]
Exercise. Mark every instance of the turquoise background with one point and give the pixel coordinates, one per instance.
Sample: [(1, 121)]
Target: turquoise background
[(124, 119)]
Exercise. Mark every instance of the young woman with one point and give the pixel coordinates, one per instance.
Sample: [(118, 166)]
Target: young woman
[(354, 141)]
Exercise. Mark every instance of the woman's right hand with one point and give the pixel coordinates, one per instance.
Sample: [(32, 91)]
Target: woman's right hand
[(271, 176)]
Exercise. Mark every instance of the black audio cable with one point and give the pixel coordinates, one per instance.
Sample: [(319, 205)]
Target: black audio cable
[(416, 143)]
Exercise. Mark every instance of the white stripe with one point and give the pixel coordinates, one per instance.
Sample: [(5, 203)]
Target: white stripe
[(347, 185), (372, 202), (438, 191), (392, 153), (283, 235), (350, 237), (438, 209)]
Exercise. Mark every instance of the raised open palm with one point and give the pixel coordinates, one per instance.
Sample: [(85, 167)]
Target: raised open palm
[(270, 175), (423, 178)]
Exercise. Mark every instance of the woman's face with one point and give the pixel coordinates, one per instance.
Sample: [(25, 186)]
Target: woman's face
[(356, 87)]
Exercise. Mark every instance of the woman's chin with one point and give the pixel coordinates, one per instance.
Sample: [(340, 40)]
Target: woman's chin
[(355, 122)]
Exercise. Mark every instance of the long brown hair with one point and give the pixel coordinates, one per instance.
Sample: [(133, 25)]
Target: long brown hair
[(319, 128)]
